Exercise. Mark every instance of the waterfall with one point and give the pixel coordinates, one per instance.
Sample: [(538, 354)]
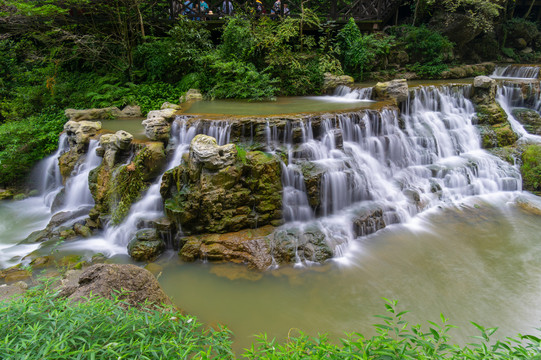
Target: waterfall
[(516, 72), (509, 96), (48, 173), (150, 207), (390, 165), (347, 93), (77, 191)]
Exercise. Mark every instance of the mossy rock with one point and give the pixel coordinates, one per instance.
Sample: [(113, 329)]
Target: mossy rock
[(531, 168), (530, 119), (505, 135), (491, 114), (6, 195), (146, 245)]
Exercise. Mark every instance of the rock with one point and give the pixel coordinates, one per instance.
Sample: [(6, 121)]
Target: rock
[(15, 273), (531, 168), (191, 95), (131, 284), (307, 244), (205, 151), (93, 114), (157, 129), (131, 111), (505, 135), (484, 90), (82, 230), (146, 245), (123, 139), (245, 246), (368, 221), (8, 292), (167, 114), (491, 114), (312, 174), (168, 105), (115, 147), (520, 43), (36, 236), (457, 27), (80, 133), (526, 51), (529, 204), (331, 82), (20, 197), (396, 90), (6, 195), (530, 119)]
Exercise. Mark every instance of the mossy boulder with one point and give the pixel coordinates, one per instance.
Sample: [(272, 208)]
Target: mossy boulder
[(146, 245), (6, 194), (247, 246), (490, 114), (505, 135), (307, 243), (484, 90), (531, 168), (218, 190), (396, 90), (530, 119)]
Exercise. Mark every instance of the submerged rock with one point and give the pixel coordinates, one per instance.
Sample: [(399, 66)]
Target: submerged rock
[(133, 285), (300, 244)]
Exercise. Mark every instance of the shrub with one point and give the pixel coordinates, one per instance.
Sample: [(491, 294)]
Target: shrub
[(531, 168)]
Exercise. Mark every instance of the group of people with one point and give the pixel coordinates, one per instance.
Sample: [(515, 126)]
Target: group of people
[(195, 9)]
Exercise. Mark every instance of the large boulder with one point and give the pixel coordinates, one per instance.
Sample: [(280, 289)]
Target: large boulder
[(80, 133), (113, 146), (331, 82), (396, 90), (246, 246), (157, 129), (484, 90), (221, 189), (133, 285)]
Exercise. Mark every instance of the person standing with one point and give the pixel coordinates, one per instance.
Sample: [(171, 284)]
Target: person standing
[(277, 7), (227, 7), (203, 8)]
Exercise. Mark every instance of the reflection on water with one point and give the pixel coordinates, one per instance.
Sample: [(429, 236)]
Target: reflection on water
[(479, 261), (282, 105)]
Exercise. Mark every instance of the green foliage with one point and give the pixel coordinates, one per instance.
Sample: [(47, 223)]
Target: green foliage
[(531, 167), (362, 53), (24, 142), (237, 39), (427, 49), (154, 61), (39, 325), (482, 13)]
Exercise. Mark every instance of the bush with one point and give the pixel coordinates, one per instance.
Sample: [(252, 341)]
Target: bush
[(237, 39), (154, 61), (41, 326), (531, 168)]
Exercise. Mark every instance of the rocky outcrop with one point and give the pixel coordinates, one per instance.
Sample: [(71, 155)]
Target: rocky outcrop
[(221, 188), (191, 95), (133, 285), (102, 113), (114, 147), (368, 221), (146, 245), (307, 243), (331, 82), (249, 247), (484, 90), (79, 135), (157, 129), (395, 90)]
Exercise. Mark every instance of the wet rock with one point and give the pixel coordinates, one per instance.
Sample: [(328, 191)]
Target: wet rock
[(135, 285), (530, 119), (146, 245), (80, 133), (167, 114), (157, 129), (245, 246), (36, 236), (529, 204), (15, 273), (396, 90), (168, 105), (491, 114), (205, 152), (93, 114), (484, 90), (305, 244), (82, 230), (331, 82), (368, 221), (114, 147), (313, 173)]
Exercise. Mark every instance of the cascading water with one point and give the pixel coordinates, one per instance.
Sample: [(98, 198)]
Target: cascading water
[(50, 179), (150, 207), (345, 92), (77, 191), (398, 165), (516, 72), (510, 96)]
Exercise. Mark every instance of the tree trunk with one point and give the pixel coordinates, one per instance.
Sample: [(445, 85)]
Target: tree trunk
[(529, 9)]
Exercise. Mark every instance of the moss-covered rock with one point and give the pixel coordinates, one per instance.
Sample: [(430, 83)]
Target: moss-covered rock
[(6, 194), (219, 191), (146, 245), (530, 119), (531, 168), (308, 243), (490, 114), (505, 135)]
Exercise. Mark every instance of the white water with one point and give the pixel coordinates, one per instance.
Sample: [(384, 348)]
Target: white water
[(431, 154), (510, 96), (516, 72), (346, 93), (48, 173), (77, 191)]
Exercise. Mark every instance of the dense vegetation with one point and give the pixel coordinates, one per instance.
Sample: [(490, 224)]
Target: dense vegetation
[(81, 54), (39, 325)]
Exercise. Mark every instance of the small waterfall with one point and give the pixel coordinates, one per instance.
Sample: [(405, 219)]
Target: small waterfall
[(516, 72), (509, 96), (347, 93), (48, 172), (150, 207), (77, 191)]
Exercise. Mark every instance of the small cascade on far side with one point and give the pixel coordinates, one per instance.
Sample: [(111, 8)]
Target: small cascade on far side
[(346, 93), (516, 72), (77, 191), (510, 96)]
